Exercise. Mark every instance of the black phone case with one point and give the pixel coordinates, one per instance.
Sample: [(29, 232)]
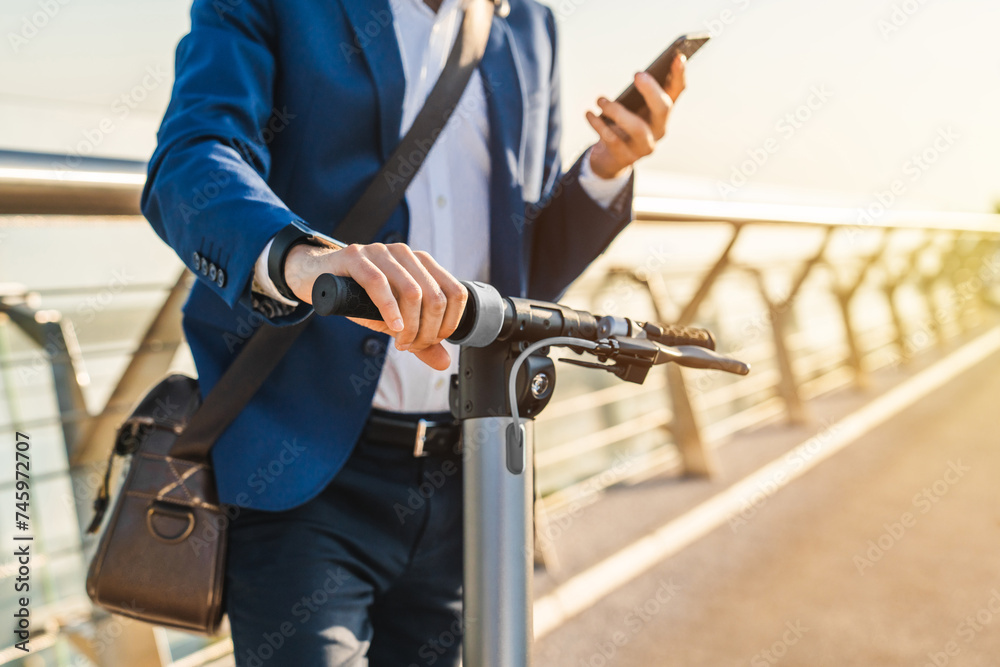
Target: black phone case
[(632, 99)]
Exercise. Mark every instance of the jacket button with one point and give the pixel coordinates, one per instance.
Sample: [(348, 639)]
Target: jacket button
[(197, 260), (220, 278), (372, 347), (394, 237), (204, 266), (213, 272)]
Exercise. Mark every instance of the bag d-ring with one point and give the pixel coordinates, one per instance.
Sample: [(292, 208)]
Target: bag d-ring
[(169, 510)]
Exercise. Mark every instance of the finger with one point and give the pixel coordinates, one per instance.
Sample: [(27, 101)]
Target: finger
[(657, 101), (619, 149), (435, 356), (351, 261), (406, 289), (639, 135), (678, 77), (433, 301), (629, 123), (374, 325), (454, 291)]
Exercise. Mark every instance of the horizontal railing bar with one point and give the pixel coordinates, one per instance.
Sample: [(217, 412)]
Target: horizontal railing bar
[(40, 183), (599, 398), (835, 377), (661, 457), (660, 209), (600, 439), (95, 290)]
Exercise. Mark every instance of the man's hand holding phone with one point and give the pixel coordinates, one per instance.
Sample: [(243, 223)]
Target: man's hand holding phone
[(630, 126), (632, 136)]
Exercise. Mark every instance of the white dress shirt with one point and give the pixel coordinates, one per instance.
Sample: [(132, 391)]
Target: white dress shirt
[(448, 199)]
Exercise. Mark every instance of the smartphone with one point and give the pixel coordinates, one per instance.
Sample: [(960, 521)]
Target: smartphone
[(688, 45)]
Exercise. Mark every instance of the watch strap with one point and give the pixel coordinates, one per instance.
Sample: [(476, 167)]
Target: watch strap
[(293, 234)]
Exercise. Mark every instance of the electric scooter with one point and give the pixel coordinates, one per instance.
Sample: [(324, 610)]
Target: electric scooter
[(505, 379)]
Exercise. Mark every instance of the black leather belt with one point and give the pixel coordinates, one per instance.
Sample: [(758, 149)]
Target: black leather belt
[(423, 435)]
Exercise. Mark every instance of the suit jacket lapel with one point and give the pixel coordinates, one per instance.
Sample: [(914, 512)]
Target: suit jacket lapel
[(374, 29), (505, 102)]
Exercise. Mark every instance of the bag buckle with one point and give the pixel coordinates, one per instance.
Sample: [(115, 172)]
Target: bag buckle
[(420, 439)]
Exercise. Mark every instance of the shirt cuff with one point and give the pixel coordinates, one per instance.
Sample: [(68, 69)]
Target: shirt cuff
[(262, 283), (604, 191)]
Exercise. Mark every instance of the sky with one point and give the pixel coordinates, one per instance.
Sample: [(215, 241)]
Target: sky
[(792, 101)]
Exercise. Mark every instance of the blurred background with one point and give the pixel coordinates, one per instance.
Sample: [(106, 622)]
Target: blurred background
[(826, 202)]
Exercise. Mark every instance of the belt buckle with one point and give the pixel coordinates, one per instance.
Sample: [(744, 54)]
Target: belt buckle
[(420, 439)]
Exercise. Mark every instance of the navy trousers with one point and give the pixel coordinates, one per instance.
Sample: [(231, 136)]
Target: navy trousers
[(367, 573)]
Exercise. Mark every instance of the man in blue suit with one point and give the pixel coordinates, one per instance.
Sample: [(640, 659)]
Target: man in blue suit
[(347, 546)]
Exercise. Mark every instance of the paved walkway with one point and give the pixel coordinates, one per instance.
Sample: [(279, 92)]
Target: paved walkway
[(886, 554)]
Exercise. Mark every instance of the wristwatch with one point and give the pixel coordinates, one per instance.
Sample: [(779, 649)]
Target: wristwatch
[(290, 236)]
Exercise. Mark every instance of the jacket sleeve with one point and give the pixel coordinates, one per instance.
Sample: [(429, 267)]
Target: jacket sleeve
[(568, 229), (206, 193)]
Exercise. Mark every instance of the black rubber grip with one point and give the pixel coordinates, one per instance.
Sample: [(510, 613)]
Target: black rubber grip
[(673, 335), (337, 295), (698, 357)]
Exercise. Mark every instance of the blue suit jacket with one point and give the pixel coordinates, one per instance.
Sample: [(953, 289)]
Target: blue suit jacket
[(286, 109)]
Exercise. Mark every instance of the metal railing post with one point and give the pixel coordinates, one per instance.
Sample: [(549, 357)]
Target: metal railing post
[(698, 460), (56, 338), (779, 311), (845, 294), (149, 362), (890, 288)]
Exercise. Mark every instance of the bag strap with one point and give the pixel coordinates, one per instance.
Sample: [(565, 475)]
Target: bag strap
[(262, 352)]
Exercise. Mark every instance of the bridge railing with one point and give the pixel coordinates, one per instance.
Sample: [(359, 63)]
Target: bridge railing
[(814, 298)]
